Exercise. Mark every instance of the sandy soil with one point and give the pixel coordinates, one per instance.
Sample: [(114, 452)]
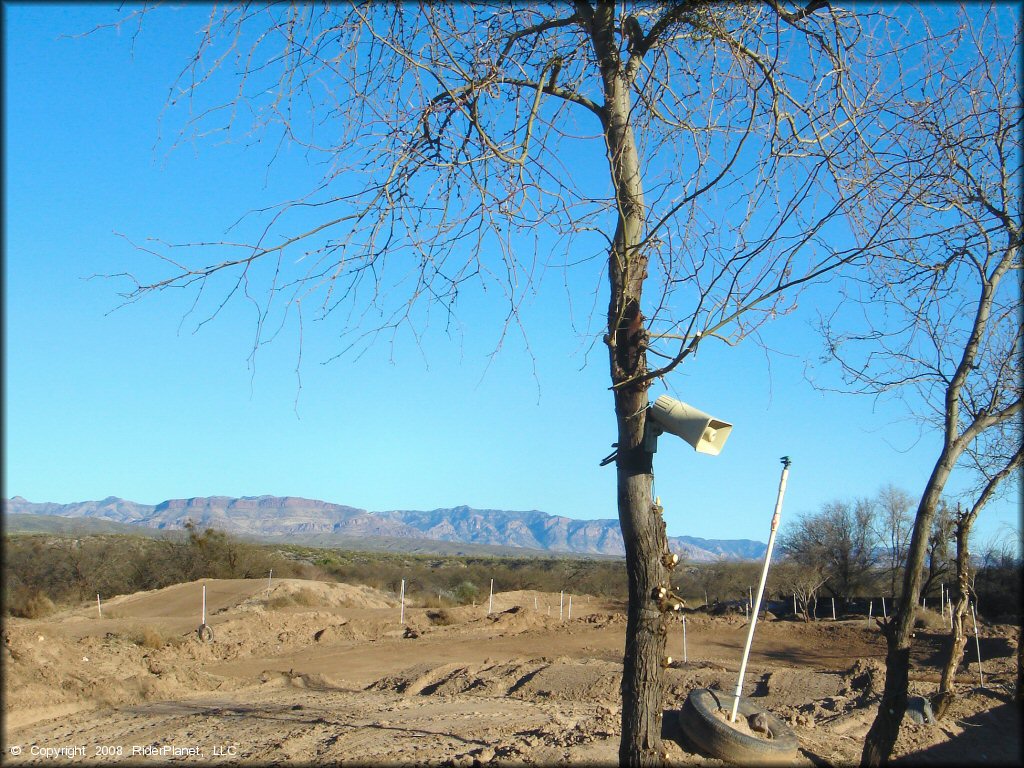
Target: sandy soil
[(312, 672)]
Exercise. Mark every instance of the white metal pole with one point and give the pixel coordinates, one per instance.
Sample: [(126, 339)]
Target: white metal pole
[(760, 587), (401, 618), (705, 598), (750, 595), (99, 608), (942, 601), (535, 602), (977, 645), (204, 604), (570, 608), (794, 603), (884, 614), (684, 639), (561, 598), (490, 600), (870, 606), (833, 609), (270, 577)]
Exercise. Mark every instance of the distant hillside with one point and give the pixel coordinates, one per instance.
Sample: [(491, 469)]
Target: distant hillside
[(322, 523)]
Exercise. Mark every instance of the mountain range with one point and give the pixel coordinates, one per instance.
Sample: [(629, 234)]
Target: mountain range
[(327, 524)]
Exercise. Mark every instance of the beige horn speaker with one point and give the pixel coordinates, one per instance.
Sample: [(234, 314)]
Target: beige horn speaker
[(704, 432)]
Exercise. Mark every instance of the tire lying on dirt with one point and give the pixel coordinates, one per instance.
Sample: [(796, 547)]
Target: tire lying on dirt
[(718, 738), (205, 633)]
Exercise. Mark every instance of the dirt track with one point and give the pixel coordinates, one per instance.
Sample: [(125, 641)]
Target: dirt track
[(316, 672)]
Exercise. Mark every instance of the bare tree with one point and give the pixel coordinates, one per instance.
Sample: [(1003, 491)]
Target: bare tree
[(893, 524), (803, 580), (445, 132), (942, 323), (958, 604), (838, 541), (937, 559)]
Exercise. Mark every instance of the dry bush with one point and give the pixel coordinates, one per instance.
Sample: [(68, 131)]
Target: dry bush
[(433, 601), (926, 618), (149, 637), (304, 596), (441, 617), (30, 604)]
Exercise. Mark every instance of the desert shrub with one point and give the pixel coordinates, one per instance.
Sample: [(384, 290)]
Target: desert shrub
[(304, 597), (279, 601), (150, 637), (465, 592), (30, 604), (441, 617), (926, 618)]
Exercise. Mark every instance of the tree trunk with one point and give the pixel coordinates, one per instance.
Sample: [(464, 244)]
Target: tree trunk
[(643, 530), (1020, 665), (958, 609), (881, 737)]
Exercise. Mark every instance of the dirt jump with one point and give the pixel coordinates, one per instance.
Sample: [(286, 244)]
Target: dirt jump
[(313, 672)]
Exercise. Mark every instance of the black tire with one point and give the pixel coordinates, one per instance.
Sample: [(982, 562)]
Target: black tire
[(205, 633), (719, 739)]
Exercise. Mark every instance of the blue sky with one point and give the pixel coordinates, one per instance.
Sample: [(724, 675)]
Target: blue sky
[(132, 402)]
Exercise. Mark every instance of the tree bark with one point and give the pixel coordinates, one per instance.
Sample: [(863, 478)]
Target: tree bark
[(958, 608), (643, 529), (881, 737)]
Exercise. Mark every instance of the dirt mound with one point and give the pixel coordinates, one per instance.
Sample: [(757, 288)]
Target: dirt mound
[(319, 594)]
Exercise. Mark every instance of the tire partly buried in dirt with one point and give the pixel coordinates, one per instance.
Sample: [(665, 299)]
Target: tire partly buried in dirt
[(719, 739), (205, 633)]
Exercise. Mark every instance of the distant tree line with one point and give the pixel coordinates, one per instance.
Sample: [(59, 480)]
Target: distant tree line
[(844, 550), (41, 570), (857, 548)]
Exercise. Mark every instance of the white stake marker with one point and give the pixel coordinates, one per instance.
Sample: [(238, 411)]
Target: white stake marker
[(884, 614), (401, 618), (684, 639), (99, 609), (561, 598), (570, 607), (269, 577), (204, 605), (490, 600), (977, 645), (833, 609), (760, 586), (870, 606)]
